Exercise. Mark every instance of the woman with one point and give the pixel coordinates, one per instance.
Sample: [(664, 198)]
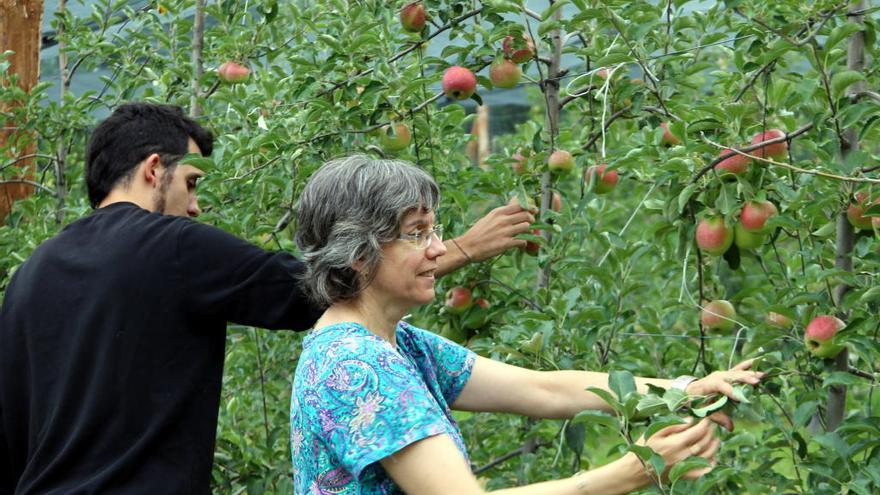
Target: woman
[(372, 395)]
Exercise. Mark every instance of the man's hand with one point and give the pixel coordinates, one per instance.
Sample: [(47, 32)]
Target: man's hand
[(495, 233), (490, 236)]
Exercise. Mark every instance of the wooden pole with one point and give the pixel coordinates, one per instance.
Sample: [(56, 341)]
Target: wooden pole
[(20, 32)]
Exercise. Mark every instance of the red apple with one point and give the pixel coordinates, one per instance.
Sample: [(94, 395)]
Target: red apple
[(779, 320), (560, 161), (532, 248), (459, 83), (556, 202), (232, 72), (413, 16), (519, 163), (668, 138), (855, 213), (504, 74), (736, 164), (602, 73), (754, 215), (606, 181), (713, 235), (518, 50), (482, 303), (459, 299), (819, 336), (396, 139), (777, 151), (718, 315)]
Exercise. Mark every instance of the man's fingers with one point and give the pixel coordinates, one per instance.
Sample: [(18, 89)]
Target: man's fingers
[(512, 207), (519, 228), (521, 217)]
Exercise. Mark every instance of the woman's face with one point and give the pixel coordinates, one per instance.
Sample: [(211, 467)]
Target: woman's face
[(405, 277)]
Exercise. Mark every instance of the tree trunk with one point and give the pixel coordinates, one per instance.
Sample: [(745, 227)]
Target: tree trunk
[(845, 235), (195, 109), (551, 92), (20, 25), (61, 148)]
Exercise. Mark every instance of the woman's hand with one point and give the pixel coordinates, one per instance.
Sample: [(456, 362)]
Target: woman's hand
[(719, 382), (678, 442)]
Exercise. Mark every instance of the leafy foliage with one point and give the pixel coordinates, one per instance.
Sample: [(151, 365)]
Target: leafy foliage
[(624, 280)]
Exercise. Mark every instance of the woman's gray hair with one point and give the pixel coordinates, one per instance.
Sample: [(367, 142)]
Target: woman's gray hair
[(349, 207)]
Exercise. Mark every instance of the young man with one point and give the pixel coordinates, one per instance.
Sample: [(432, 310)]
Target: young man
[(112, 334)]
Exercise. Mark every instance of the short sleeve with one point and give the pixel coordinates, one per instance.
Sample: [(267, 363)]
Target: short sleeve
[(368, 402), (452, 363)]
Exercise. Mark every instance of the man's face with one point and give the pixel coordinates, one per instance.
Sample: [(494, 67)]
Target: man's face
[(177, 190)]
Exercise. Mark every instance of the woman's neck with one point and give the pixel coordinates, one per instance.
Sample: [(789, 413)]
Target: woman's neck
[(377, 318)]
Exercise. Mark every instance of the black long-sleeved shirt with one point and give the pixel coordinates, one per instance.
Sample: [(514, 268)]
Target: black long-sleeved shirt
[(112, 338)]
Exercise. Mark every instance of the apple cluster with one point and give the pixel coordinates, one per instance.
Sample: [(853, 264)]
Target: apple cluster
[(714, 235)]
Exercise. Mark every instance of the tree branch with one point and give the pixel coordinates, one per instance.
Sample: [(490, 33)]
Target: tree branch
[(30, 183), (596, 135), (403, 53), (745, 150)]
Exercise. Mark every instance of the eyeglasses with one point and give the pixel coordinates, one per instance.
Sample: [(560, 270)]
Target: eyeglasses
[(422, 240)]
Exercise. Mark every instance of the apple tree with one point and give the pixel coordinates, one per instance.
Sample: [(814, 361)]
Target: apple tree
[(679, 152)]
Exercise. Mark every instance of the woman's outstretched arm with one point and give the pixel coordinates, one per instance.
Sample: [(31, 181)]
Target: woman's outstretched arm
[(498, 387), (434, 466)]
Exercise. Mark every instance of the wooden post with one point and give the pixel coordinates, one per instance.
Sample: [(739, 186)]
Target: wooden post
[(478, 148), (20, 25)]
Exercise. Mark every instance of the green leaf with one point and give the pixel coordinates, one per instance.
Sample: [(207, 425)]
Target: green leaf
[(621, 383), (548, 12), (841, 32), (826, 230), (841, 378), (871, 294), (675, 398), (647, 454), (651, 404), (684, 196), (834, 446), (659, 424), (702, 412), (739, 393), (843, 80), (804, 412), (682, 467), (608, 398), (575, 435), (196, 160), (600, 418)]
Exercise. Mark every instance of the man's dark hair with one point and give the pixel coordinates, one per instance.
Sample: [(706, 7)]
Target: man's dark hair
[(130, 135)]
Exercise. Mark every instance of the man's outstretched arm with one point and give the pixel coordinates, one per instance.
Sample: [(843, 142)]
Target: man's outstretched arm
[(490, 236)]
